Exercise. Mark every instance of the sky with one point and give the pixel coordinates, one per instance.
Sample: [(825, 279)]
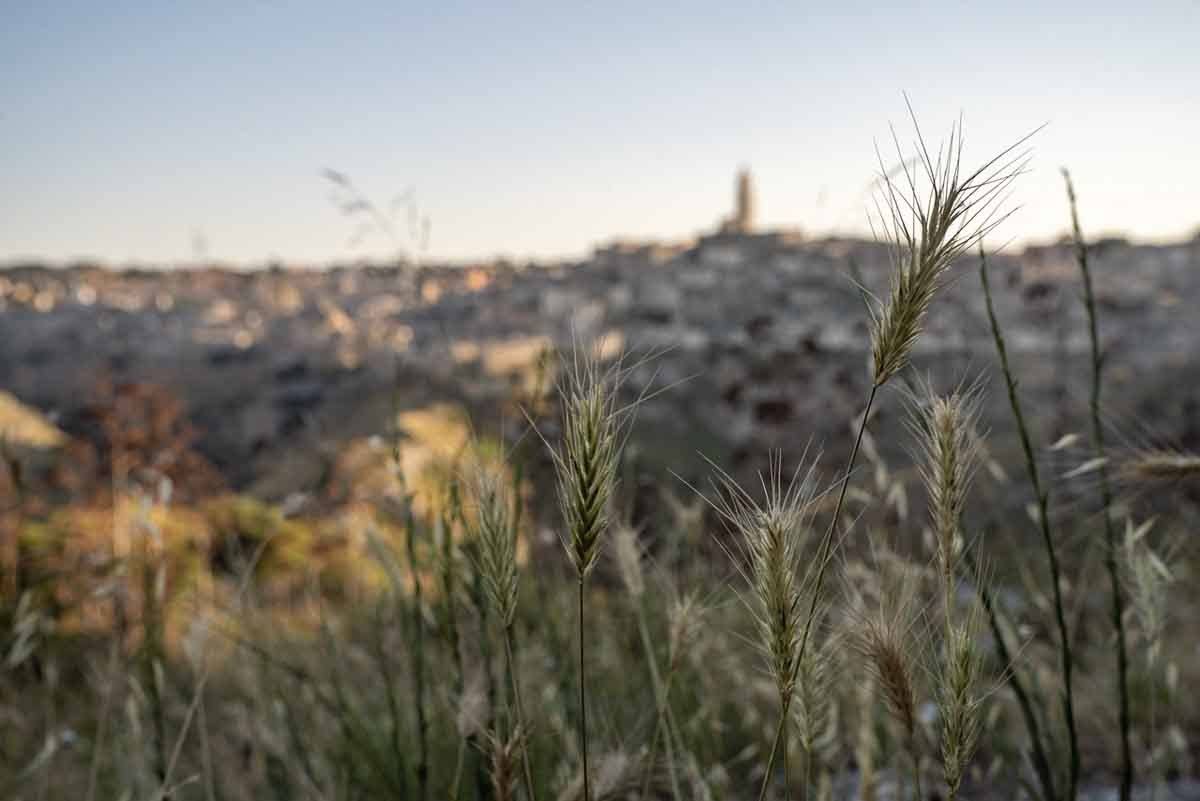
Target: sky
[(162, 133)]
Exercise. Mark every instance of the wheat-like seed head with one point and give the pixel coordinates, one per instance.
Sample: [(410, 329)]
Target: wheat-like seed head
[(685, 621), (931, 216), (889, 659), (1148, 576), (948, 449), (586, 459), (1160, 465), (960, 699), (886, 639), (497, 536), (772, 535), (815, 710), (504, 759)]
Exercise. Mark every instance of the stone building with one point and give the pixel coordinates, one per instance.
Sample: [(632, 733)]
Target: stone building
[(742, 220)]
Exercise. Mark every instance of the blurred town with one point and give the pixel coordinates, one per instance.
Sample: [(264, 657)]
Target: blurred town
[(278, 369)]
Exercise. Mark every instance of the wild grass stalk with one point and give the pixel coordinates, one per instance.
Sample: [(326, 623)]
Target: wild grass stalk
[(949, 444), (483, 637), (815, 707), (449, 579), (1149, 577), (931, 218), (418, 655), (772, 534), (1037, 747), (628, 551), (497, 564), (1042, 497), (885, 641), (959, 701), (945, 427), (502, 760), (1110, 534), (586, 467), (1159, 465)]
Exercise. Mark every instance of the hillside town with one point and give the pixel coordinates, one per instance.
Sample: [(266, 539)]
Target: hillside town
[(755, 335)]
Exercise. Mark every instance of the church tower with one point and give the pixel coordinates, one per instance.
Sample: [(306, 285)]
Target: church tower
[(743, 214)]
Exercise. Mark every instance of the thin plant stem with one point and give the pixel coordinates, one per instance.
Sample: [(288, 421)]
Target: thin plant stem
[(583, 738), (1044, 525), (418, 662), (665, 728), (805, 789), (521, 720), (459, 759), (482, 787), (762, 793), (783, 748), (824, 555), (1041, 764), (379, 651), (102, 726), (1151, 676), (916, 766), (1110, 534), (661, 701), (451, 612), (206, 753)]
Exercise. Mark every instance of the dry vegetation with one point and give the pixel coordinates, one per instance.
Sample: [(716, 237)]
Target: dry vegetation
[(771, 641)]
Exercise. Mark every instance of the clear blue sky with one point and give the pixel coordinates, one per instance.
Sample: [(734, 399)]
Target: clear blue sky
[(542, 128)]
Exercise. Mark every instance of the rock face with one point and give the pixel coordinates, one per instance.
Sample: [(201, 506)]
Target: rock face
[(764, 341)]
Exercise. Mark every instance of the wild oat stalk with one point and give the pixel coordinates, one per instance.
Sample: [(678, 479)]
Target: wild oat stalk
[(960, 699), (1110, 533), (1149, 578), (502, 762), (1159, 465), (1043, 514), (884, 639), (815, 709), (949, 444), (948, 449), (585, 462), (933, 217), (497, 556), (930, 218), (772, 535)]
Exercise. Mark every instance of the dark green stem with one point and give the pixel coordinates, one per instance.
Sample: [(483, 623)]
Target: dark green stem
[(779, 730), (583, 738), (483, 788), (1044, 525), (1110, 535), (521, 721), (1041, 764), (825, 553), (418, 662)]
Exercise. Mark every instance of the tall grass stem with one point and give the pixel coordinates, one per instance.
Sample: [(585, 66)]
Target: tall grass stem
[(1043, 500), (1110, 534)]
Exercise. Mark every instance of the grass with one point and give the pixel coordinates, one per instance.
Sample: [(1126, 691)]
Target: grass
[(780, 640)]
